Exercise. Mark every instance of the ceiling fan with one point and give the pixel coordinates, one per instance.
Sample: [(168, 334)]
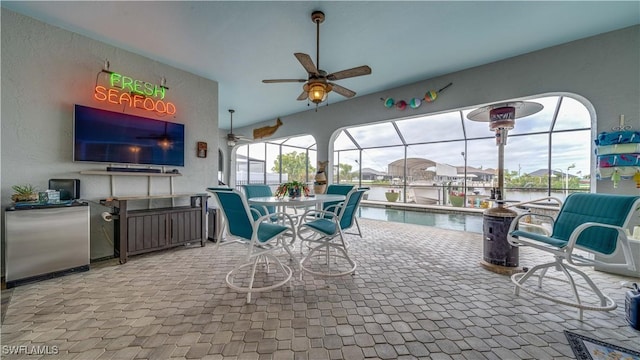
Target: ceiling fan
[(233, 139), (164, 140), (317, 85)]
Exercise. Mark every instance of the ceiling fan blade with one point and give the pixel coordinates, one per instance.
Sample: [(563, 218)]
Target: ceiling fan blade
[(343, 90), (303, 96), (307, 63), (236, 138), (353, 72), (283, 81)]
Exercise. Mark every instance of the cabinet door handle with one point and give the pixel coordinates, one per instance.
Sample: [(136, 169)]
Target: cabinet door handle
[(166, 230)]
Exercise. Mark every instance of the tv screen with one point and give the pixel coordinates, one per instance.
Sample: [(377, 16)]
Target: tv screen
[(106, 136)]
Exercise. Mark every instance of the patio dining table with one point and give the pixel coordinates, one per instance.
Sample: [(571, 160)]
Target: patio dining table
[(301, 201), (294, 202)]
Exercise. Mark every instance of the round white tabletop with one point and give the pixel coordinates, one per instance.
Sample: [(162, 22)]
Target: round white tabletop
[(298, 201)]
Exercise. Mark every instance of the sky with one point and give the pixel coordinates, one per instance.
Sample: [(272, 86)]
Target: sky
[(524, 152)]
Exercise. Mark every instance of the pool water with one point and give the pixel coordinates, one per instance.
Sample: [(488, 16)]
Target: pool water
[(462, 222)]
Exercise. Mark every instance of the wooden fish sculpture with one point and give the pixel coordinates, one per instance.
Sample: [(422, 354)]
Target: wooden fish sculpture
[(262, 132)]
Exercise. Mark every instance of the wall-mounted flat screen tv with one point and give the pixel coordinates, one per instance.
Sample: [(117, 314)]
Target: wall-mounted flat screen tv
[(111, 137)]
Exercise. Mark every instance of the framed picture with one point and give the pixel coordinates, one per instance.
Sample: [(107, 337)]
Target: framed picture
[(202, 149)]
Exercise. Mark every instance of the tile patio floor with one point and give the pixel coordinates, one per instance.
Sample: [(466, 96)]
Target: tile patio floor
[(419, 292)]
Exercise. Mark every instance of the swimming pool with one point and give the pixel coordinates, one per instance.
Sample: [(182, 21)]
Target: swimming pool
[(452, 221)]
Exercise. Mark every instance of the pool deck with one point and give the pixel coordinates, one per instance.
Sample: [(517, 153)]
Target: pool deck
[(418, 293)]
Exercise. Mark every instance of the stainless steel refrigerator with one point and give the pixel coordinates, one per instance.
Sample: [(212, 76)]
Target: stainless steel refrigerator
[(45, 241)]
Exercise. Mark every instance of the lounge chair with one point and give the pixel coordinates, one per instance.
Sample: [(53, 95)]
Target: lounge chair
[(587, 225)]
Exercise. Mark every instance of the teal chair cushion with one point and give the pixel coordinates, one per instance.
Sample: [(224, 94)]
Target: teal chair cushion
[(238, 222), (267, 231), (580, 208), (259, 190), (539, 237), (347, 216), (349, 210), (336, 189), (324, 226)]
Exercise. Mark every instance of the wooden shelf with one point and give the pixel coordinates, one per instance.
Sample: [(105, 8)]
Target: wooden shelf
[(114, 174), (151, 197), (126, 173)]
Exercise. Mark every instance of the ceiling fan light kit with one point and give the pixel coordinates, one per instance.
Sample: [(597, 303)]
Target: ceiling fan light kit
[(318, 92), (316, 87)]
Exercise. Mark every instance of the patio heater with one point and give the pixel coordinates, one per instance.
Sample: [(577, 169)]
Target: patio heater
[(499, 255)]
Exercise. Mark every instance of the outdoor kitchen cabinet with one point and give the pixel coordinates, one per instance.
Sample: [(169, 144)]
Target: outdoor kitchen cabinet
[(151, 229)]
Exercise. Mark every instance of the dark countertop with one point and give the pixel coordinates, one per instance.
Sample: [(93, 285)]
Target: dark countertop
[(37, 205)]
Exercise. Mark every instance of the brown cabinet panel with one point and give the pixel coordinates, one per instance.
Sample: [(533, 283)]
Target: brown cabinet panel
[(186, 226), (158, 231), (146, 232), (142, 231)]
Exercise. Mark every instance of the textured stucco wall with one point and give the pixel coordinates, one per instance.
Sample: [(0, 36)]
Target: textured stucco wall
[(602, 71), (45, 71)]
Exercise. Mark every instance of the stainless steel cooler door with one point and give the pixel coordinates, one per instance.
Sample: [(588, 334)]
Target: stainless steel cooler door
[(42, 241)]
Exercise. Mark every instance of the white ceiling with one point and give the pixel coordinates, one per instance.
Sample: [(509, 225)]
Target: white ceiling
[(239, 43)]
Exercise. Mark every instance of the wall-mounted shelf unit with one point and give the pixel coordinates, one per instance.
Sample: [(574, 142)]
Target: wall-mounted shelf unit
[(126, 173), (149, 175)]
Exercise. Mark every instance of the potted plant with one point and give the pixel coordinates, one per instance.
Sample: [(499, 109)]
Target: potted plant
[(392, 195), (24, 193), (293, 189), (456, 198)]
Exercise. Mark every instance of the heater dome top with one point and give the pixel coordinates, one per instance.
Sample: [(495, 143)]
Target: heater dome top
[(522, 109)]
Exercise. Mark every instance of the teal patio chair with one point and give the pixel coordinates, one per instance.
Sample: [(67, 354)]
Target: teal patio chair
[(365, 188), (593, 224), (325, 229), (259, 190), (262, 237), (336, 189), (340, 189)]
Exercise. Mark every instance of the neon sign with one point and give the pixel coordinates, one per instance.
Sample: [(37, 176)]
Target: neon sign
[(125, 90)]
